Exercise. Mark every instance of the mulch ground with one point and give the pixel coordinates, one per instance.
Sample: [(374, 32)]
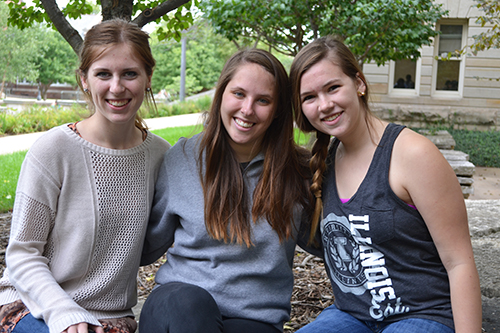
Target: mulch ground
[(311, 292)]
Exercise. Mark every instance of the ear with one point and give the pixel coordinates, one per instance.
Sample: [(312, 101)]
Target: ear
[(84, 82), (360, 84), (148, 85)]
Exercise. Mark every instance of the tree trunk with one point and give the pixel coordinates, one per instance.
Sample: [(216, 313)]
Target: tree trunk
[(110, 9), (44, 87)]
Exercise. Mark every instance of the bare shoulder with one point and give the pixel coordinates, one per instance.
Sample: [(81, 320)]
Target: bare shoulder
[(411, 147)]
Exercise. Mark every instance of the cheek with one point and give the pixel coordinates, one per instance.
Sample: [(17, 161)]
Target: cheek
[(309, 112)]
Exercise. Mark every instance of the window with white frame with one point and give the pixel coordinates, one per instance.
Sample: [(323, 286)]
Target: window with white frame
[(449, 66), (404, 75)]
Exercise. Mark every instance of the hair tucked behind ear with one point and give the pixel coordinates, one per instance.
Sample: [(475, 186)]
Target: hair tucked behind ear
[(318, 167)]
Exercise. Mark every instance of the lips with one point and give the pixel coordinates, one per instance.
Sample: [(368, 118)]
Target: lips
[(118, 103), (243, 123), (332, 117)]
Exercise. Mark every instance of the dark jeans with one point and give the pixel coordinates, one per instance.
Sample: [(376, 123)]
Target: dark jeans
[(178, 307)]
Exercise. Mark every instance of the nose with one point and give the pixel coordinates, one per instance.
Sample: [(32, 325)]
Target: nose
[(116, 86), (247, 107), (324, 104)]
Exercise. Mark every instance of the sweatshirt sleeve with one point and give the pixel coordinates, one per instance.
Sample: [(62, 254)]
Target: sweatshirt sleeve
[(28, 267), (316, 246), (162, 221)]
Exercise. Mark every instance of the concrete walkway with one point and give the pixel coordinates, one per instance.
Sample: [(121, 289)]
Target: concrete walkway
[(12, 143)]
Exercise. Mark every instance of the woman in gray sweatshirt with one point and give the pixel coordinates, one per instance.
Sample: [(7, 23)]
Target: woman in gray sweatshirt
[(232, 199)]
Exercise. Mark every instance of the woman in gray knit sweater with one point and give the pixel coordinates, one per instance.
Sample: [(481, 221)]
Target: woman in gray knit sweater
[(83, 200)]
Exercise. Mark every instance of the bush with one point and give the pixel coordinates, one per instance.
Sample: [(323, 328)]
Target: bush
[(482, 146)]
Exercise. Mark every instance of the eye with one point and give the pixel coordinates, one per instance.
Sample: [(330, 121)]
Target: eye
[(130, 74), (103, 75), (264, 101), (238, 94), (333, 88), (307, 98)]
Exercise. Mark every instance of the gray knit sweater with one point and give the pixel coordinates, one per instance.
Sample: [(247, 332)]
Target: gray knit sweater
[(78, 226), (253, 283)]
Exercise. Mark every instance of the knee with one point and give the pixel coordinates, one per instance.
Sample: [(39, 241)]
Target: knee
[(179, 304), (179, 296)]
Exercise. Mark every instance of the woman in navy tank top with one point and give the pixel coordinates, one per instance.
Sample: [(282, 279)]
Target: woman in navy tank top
[(389, 208)]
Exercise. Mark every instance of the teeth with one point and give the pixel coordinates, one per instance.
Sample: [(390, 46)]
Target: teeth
[(332, 117), (118, 103), (243, 123)]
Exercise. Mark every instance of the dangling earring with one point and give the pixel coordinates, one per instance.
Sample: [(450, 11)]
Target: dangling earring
[(361, 93)]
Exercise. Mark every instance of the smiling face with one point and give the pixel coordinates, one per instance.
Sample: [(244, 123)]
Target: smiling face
[(117, 81), (329, 99), (247, 109)]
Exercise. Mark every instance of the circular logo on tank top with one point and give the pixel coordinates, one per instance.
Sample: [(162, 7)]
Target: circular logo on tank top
[(342, 254)]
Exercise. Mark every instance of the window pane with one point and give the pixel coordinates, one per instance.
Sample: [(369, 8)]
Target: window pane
[(447, 75), (404, 74), (450, 39)]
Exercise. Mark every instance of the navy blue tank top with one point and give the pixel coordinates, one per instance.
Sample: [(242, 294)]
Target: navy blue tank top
[(379, 254)]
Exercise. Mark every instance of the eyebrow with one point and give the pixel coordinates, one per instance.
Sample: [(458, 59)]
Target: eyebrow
[(97, 69)]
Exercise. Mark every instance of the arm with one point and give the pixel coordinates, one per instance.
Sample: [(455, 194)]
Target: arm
[(32, 224), (162, 223), (420, 175)]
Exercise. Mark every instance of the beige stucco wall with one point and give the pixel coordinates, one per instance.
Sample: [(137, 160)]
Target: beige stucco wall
[(475, 105)]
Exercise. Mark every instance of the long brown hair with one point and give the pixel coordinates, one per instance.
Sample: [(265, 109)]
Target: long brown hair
[(108, 34), (282, 185), (337, 52)]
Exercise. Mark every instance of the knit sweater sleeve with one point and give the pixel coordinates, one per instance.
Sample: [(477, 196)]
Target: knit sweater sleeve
[(32, 221)]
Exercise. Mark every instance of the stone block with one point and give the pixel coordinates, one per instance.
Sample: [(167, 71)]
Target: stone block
[(463, 168)]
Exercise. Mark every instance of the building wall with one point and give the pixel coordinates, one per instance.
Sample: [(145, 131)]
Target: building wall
[(476, 102)]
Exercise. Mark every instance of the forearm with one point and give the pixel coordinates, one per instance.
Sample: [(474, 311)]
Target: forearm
[(466, 298)]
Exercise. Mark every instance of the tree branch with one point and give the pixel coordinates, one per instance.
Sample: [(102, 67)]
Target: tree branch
[(62, 25), (153, 14)]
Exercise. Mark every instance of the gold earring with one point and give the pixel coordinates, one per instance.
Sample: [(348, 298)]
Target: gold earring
[(361, 93)]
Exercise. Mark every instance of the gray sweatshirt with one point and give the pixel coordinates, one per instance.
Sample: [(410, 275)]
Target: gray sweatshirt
[(252, 283)]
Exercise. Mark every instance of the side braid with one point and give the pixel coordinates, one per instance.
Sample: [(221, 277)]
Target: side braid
[(318, 167)]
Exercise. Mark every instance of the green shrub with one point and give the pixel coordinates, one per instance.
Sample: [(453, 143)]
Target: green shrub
[(483, 147), (189, 106)]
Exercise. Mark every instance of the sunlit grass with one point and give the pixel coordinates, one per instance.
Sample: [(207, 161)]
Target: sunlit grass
[(9, 173)]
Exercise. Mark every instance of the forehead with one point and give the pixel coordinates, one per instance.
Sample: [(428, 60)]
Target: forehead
[(250, 74), (115, 54)]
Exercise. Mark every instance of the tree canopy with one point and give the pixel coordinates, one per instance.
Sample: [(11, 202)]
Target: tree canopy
[(140, 12), (378, 30), (16, 51), (491, 37)]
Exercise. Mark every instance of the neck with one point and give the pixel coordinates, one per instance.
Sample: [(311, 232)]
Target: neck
[(110, 135), (368, 133)]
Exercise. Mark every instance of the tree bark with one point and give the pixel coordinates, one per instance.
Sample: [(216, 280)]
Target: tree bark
[(150, 15), (110, 9), (62, 25)]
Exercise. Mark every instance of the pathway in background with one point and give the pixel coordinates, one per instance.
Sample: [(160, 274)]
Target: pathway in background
[(12, 143)]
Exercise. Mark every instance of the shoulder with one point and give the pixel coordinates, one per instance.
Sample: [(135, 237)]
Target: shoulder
[(55, 144), (185, 150), (414, 149)]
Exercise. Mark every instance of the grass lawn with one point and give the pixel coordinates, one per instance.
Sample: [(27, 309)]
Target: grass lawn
[(11, 163)]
